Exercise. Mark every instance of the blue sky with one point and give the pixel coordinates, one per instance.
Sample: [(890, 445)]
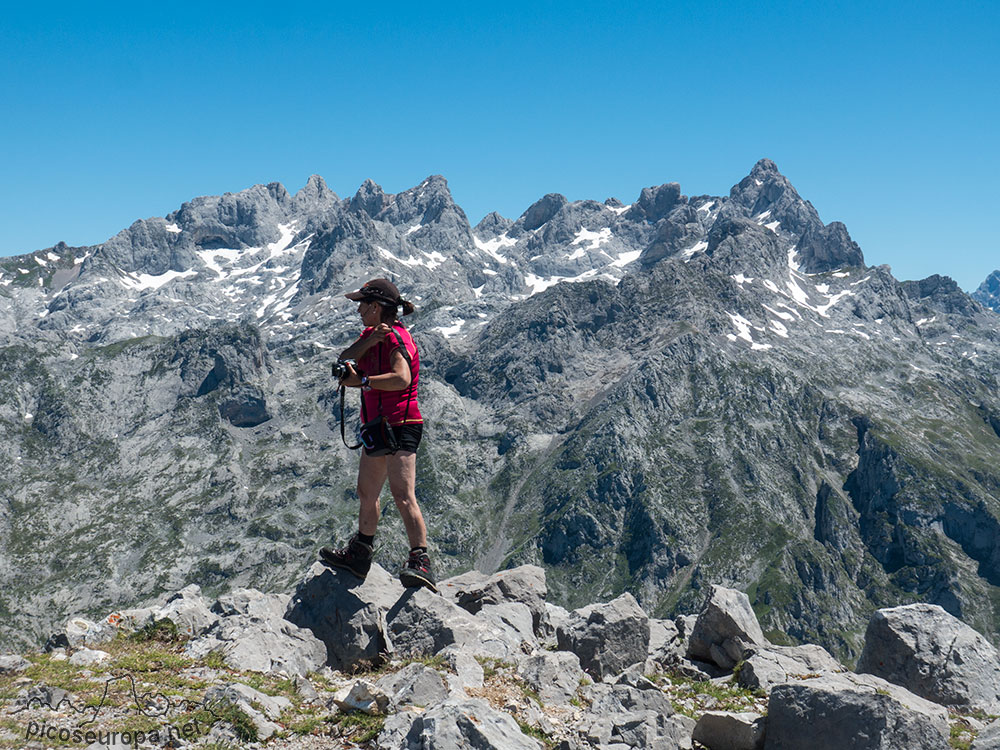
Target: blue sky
[(883, 115)]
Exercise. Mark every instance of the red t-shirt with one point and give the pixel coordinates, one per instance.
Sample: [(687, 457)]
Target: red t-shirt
[(399, 407)]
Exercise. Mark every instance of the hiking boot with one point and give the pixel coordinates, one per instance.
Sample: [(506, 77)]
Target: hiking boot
[(417, 571), (355, 557)]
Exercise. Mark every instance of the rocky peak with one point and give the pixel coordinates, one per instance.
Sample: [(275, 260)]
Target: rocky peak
[(765, 193), (654, 203), (492, 225), (542, 210), (942, 294), (314, 195), (988, 293), (370, 199)]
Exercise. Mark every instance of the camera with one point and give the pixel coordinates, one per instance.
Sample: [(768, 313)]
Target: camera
[(339, 368)]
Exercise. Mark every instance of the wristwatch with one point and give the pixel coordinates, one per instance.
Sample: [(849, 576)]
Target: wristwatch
[(365, 385)]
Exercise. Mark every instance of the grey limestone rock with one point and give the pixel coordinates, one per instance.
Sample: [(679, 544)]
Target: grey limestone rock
[(189, 611), (988, 738), (835, 711), (44, 696), (728, 730), (766, 667), (361, 695), (414, 685), (645, 729), (423, 623), (524, 584), (725, 627), (88, 657), (248, 700), (252, 603), (13, 663), (80, 632), (347, 615), (933, 654), (273, 645), (555, 676), (470, 723), (607, 637)]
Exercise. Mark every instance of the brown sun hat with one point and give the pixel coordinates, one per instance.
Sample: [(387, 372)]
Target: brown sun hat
[(382, 291)]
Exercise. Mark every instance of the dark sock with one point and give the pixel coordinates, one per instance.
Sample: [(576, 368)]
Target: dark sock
[(369, 540), (421, 550)]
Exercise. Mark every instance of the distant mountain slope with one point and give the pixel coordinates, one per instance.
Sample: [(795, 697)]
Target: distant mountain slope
[(647, 397)]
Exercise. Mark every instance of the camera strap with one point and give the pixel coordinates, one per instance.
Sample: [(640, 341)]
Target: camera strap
[(343, 433)]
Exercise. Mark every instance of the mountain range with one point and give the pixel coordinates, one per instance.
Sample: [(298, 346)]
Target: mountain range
[(651, 397)]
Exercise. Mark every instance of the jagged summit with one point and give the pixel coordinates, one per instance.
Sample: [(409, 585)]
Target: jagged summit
[(988, 293)]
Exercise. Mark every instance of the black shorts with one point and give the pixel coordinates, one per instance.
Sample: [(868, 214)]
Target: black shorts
[(408, 436)]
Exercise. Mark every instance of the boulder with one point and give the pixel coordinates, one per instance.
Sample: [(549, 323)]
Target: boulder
[(515, 619), (362, 696), (80, 632), (414, 685), (726, 730), (774, 665), (606, 637), (87, 657), (188, 610), (665, 643), (607, 699), (348, 616), (269, 646), (555, 676), (470, 723), (933, 654), (468, 671), (725, 627), (423, 623), (12, 663), (640, 729), (861, 712), (524, 585)]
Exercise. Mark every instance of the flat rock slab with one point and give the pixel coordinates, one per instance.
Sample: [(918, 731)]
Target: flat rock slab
[(554, 675), (524, 585), (933, 654), (726, 730), (775, 665), (861, 712)]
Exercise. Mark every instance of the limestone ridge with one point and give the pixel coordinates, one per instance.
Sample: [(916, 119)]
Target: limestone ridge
[(490, 663), (647, 398)]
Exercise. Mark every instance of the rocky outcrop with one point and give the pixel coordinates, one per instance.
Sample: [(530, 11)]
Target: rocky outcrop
[(834, 711), (447, 677), (935, 655)]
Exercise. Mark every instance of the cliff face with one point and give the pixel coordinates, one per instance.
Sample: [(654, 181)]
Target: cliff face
[(647, 398)]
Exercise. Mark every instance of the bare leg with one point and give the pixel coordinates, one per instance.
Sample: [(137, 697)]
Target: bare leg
[(402, 470), (371, 477)]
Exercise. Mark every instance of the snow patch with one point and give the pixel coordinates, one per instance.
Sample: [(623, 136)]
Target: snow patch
[(52, 256), (741, 279), (449, 331), (147, 281), (173, 228), (596, 239), (490, 247), (697, 248), (707, 206), (627, 257), (414, 228)]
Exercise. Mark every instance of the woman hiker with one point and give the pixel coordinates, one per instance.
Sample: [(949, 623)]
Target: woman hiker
[(387, 372)]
